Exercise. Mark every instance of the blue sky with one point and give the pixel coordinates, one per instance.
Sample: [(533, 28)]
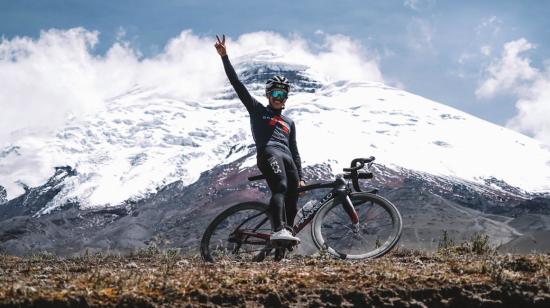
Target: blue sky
[(443, 50)]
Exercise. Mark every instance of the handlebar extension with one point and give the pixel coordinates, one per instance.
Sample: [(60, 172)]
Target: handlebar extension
[(362, 175), (359, 163)]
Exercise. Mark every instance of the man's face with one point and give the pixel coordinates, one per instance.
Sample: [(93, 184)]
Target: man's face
[(277, 98)]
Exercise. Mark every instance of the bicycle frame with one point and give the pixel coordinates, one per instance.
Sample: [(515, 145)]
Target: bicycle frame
[(339, 190), (254, 229)]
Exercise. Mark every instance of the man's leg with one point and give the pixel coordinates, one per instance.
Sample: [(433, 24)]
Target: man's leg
[(272, 166), (291, 198)]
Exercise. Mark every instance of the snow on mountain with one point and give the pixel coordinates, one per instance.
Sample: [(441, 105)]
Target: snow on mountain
[(401, 129), (144, 140)]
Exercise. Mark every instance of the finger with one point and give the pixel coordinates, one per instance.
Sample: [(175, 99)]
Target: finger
[(218, 38), (223, 40)]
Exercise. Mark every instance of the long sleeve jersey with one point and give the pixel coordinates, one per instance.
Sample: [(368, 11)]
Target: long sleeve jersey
[(269, 127)]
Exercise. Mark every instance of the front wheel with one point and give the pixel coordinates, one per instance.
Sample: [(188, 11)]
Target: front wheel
[(377, 232)]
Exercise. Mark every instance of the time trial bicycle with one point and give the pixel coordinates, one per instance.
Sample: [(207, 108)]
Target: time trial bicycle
[(347, 223)]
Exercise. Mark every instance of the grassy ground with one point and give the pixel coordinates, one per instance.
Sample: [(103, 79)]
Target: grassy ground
[(452, 277)]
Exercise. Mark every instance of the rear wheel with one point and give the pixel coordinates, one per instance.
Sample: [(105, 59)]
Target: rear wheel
[(377, 232), (239, 233)]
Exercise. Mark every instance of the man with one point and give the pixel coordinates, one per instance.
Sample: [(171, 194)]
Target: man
[(277, 154)]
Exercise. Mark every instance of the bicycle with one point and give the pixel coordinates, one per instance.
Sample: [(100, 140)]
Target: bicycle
[(346, 223)]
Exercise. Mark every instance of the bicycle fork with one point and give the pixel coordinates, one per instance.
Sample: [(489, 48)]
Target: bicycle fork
[(343, 194)]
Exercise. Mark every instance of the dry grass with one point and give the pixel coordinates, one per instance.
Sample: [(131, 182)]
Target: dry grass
[(152, 278)]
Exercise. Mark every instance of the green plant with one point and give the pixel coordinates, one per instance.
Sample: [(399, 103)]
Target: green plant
[(44, 256), (445, 242), (149, 251), (480, 244), (172, 253), (323, 254), (378, 243)]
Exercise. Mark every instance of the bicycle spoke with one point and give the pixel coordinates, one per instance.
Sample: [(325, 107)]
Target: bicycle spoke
[(261, 223), (340, 214), (375, 234), (359, 235), (369, 208), (238, 234), (375, 216), (335, 235), (348, 230), (389, 224)]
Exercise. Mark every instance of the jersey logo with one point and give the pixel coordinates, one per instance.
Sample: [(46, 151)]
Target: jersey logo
[(278, 119), (274, 165)]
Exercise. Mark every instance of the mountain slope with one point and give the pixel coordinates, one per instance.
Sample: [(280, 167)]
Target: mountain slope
[(143, 141), (146, 150)]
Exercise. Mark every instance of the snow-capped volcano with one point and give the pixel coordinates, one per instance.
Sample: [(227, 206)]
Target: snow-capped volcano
[(144, 140)]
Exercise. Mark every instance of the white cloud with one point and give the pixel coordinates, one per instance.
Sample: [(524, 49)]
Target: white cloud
[(57, 75), (514, 74), (40, 79), (533, 108), (509, 73), (45, 80)]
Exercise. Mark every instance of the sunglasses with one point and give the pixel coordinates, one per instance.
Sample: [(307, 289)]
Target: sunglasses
[(279, 94)]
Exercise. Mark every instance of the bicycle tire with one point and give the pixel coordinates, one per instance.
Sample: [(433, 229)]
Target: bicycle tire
[(225, 238), (383, 233)]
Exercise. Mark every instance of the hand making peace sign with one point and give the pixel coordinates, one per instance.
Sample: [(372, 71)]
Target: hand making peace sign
[(220, 46)]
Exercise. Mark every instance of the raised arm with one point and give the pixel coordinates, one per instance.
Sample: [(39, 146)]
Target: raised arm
[(245, 97)]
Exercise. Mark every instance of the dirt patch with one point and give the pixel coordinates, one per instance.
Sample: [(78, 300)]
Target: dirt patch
[(164, 280)]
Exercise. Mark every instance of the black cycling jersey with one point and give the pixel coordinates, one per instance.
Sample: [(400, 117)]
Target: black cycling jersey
[(269, 127)]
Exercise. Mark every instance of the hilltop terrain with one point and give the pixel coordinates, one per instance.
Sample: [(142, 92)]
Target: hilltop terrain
[(150, 278)]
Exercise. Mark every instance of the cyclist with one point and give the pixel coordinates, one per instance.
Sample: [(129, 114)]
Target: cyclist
[(277, 153)]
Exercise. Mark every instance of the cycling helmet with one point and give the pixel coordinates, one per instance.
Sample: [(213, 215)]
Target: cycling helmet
[(277, 82)]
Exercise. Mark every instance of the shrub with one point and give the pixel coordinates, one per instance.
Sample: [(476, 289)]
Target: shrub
[(445, 242), (478, 244)]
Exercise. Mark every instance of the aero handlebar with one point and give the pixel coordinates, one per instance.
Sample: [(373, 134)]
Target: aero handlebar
[(357, 164), (361, 163)]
